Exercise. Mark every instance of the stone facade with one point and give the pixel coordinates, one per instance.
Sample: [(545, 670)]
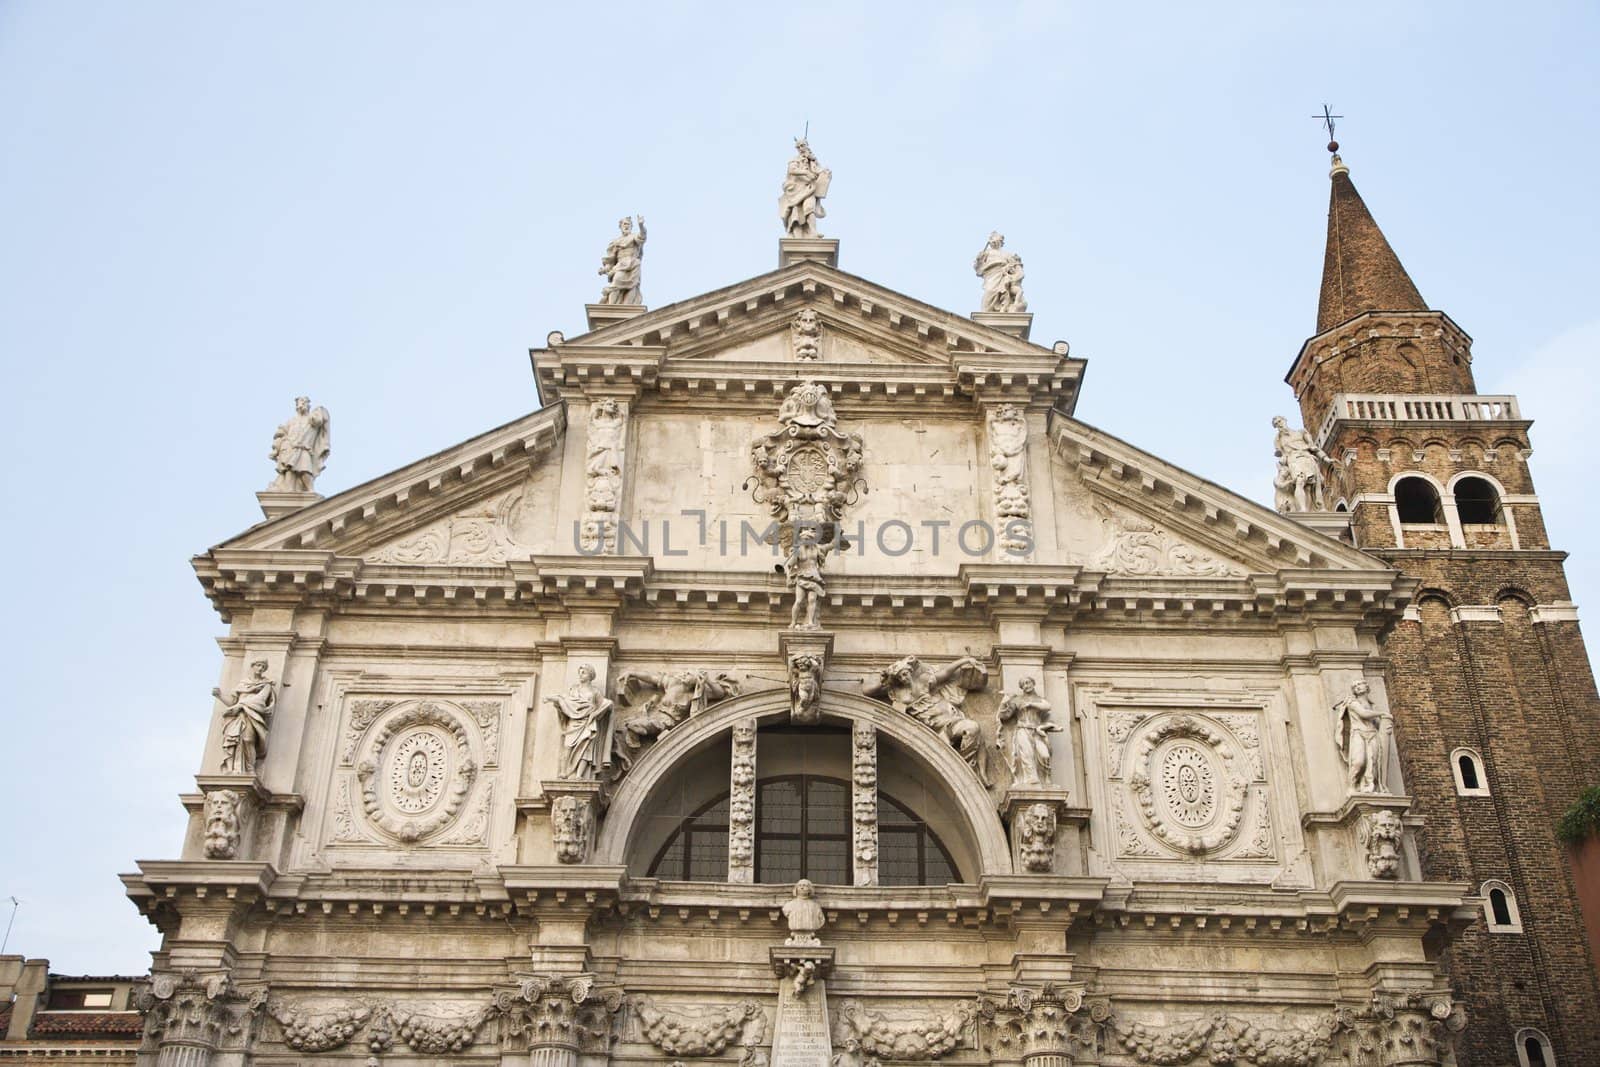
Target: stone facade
[(1052, 725)]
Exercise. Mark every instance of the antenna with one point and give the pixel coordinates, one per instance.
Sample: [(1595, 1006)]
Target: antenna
[(15, 904)]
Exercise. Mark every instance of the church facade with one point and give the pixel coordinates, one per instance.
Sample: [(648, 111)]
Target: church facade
[(805, 684)]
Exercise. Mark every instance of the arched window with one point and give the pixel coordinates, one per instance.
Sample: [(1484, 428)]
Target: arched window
[(1477, 502), (1417, 501), (803, 830), (1533, 1049), (1471, 780), (1500, 908)]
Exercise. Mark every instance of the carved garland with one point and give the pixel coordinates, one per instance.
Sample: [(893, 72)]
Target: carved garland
[(742, 804), (426, 797), (927, 1037), (864, 800), (708, 1033), (1195, 811)]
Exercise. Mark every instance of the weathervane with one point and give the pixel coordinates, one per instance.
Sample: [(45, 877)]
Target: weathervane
[(1326, 118)]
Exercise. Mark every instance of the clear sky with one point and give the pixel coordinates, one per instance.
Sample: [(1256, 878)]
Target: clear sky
[(208, 208)]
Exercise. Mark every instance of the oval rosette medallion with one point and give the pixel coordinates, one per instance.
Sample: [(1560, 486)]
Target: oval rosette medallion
[(1186, 783), (417, 772)]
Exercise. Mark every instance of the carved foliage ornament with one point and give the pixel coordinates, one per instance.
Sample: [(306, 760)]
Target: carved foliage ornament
[(194, 1008), (923, 1036), (1185, 780), (742, 804), (1223, 1038), (418, 769), (565, 1011), (708, 1032), (1403, 1028), (321, 1028), (1008, 458), (864, 800), (1052, 1020)]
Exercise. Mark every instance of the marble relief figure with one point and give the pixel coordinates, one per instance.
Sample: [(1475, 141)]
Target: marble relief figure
[(1363, 732), (244, 720), (662, 701), (300, 448), (1025, 734), (934, 697), (585, 715)]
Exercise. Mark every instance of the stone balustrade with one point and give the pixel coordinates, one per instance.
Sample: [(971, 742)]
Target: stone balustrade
[(1403, 407)]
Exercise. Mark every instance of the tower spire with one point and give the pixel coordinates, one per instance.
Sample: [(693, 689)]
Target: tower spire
[(1360, 271)]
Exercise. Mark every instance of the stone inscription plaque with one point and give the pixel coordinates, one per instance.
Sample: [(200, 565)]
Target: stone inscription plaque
[(800, 1038)]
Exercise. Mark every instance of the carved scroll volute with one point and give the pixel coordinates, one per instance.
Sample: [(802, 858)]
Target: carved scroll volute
[(742, 804), (864, 801), (558, 1017)]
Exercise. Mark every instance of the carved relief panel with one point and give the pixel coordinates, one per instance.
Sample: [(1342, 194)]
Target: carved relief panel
[(1186, 777), (415, 772)]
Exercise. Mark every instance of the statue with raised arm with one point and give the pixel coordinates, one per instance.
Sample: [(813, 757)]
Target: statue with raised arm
[(244, 720), (663, 701), (621, 264), (934, 698), (585, 715), (1301, 465), (803, 573), (1001, 272), (300, 448), (1362, 732), (1025, 734), (805, 183)]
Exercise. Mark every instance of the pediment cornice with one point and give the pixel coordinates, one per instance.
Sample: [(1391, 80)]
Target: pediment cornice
[(1224, 521), (932, 352)]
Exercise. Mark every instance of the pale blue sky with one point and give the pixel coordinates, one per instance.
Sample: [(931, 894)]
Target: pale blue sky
[(208, 208)]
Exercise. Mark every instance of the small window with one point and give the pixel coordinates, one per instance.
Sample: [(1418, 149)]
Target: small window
[(1500, 908), (1471, 780), (1533, 1049), (1417, 501), (78, 999), (1477, 503)]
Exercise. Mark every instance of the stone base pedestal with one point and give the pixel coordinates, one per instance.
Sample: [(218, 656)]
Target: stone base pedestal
[(1370, 829), (275, 503), (574, 807), (801, 1036), (793, 250), (1016, 323), (1335, 524), (1034, 815), (605, 314)]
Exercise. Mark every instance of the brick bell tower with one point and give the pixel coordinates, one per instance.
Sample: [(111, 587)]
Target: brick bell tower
[(1497, 719)]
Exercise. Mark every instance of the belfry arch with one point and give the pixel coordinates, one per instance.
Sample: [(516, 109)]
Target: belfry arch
[(977, 836)]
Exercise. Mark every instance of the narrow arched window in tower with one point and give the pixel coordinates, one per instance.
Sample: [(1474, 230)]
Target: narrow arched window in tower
[(1477, 502), (1469, 772), (1471, 778), (1417, 502), (1533, 1049), (1500, 908)]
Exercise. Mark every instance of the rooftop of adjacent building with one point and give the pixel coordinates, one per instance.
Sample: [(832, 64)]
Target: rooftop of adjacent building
[(40, 1007)]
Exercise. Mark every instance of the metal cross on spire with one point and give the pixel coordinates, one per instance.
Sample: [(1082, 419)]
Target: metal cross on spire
[(1326, 118)]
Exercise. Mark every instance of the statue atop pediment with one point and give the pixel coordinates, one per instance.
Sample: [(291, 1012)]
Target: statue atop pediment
[(805, 183)]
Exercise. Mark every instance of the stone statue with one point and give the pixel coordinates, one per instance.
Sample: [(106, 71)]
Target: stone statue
[(1362, 733), (1300, 467), (1001, 272), (585, 727), (621, 263), (804, 185), (244, 720), (1025, 740), (677, 695), (805, 915), (805, 334), (934, 698), (805, 688), (803, 573), (300, 448), (1283, 487)]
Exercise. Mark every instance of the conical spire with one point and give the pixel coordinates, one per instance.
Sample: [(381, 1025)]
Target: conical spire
[(1360, 272)]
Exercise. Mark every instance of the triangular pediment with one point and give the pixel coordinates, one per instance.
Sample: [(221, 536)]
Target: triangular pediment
[(466, 504), (741, 339), (1130, 513)]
